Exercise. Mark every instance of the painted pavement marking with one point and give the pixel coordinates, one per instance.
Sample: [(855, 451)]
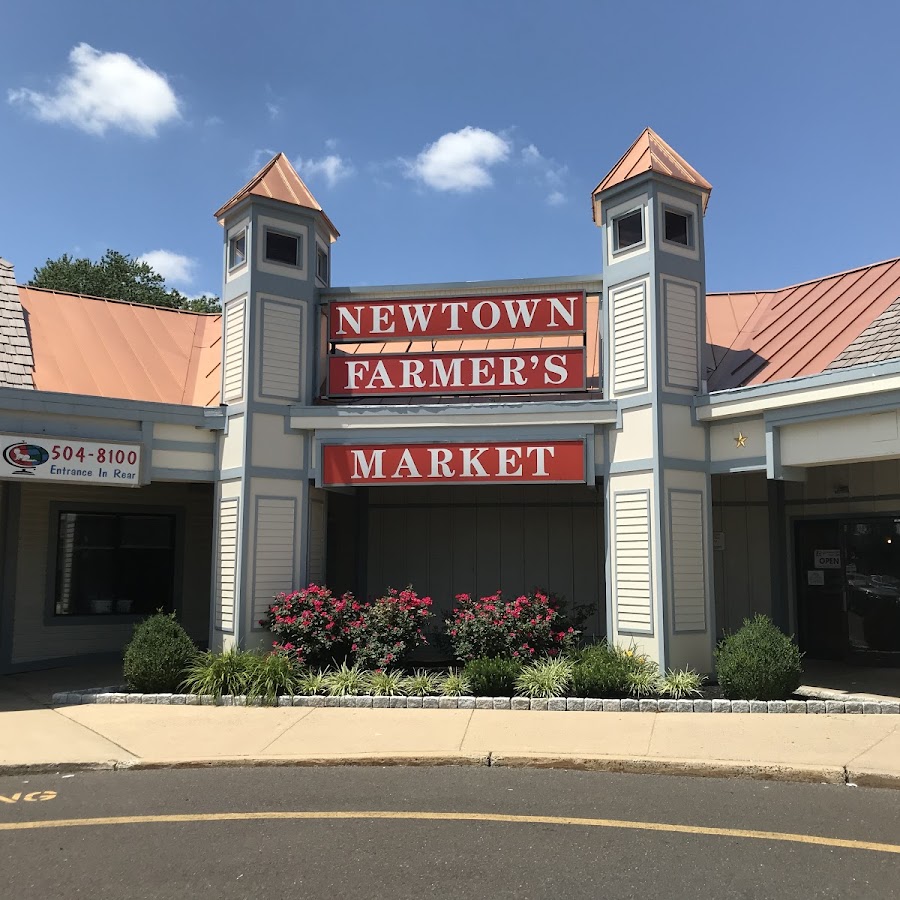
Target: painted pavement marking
[(786, 837)]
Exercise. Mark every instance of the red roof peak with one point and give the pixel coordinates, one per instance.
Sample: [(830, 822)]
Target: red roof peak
[(278, 180), (650, 153)]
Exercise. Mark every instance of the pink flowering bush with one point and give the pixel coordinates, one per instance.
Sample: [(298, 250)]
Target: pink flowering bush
[(389, 628), (530, 626), (312, 625), (316, 628)]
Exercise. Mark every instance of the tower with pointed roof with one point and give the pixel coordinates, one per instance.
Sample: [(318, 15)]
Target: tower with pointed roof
[(658, 533), (277, 257)]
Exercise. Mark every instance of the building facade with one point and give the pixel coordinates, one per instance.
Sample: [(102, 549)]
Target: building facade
[(668, 460)]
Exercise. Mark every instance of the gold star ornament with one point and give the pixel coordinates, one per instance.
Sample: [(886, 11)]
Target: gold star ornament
[(740, 440)]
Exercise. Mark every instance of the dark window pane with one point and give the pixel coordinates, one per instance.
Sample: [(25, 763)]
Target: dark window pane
[(678, 228), (112, 564), (629, 230), (283, 248), (321, 264)]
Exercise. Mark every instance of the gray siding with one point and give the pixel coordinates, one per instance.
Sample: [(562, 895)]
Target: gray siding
[(682, 345), (273, 565), (226, 567), (33, 638), (633, 595), (233, 361), (687, 560), (629, 338), (281, 343), (477, 540)]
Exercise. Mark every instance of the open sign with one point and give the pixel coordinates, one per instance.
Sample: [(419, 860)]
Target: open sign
[(827, 559)]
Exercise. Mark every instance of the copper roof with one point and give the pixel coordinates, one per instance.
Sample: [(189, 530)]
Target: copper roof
[(278, 180), (799, 330), (109, 348), (650, 153)]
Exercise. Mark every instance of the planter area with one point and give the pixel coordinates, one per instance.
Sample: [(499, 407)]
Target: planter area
[(119, 694)]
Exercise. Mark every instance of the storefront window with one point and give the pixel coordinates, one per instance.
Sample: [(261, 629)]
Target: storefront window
[(114, 564)]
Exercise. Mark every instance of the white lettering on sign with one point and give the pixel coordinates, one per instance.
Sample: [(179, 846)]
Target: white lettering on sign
[(491, 371), (827, 559), (458, 316), (42, 458), (547, 462)]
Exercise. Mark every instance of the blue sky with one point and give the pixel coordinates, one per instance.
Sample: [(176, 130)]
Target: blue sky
[(454, 141)]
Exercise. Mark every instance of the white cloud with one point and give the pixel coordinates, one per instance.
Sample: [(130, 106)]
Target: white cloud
[(274, 110), (550, 174), (105, 90), (460, 160), (173, 267), (332, 168), (331, 144), (258, 159)]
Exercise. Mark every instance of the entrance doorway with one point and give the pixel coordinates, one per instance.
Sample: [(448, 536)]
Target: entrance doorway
[(848, 587)]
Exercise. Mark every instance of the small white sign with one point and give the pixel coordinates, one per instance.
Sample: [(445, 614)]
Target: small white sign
[(827, 559), (27, 458), (815, 576)]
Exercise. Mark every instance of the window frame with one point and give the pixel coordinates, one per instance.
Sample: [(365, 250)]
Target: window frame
[(685, 207), (232, 242), (263, 224), (322, 253), (281, 232), (616, 247), (56, 508), (685, 214)]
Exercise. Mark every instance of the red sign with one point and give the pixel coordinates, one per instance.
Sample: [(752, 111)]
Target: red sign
[(523, 462), (457, 317), (488, 372)]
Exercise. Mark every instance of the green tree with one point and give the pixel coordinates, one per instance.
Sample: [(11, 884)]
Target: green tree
[(118, 277)]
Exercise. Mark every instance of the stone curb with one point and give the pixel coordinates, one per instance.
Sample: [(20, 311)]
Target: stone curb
[(117, 694), (622, 765)]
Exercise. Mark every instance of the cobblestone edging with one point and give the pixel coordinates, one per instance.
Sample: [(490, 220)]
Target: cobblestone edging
[(116, 694)]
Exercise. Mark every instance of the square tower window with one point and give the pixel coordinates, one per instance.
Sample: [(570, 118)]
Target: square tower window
[(322, 264), (628, 230), (283, 248), (237, 250), (678, 228)]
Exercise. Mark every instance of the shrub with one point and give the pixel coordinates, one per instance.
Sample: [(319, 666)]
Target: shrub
[(219, 673), (545, 678), (386, 683), (423, 684), (605, 670), (158, 654), (758, 662), (455, 684), (681, 683), (272, 675), (346, 681), (388, 629), (528, 627), (492, 676), (311, 625), (310, 683)]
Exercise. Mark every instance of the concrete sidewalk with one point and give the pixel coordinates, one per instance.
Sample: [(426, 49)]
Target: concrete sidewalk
[(836, 749)]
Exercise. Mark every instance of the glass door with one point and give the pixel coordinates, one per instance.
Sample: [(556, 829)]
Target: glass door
[(821, 617), (872, 571)]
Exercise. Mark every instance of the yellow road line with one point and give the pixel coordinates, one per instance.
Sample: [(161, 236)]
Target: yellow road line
[(787, 837)]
